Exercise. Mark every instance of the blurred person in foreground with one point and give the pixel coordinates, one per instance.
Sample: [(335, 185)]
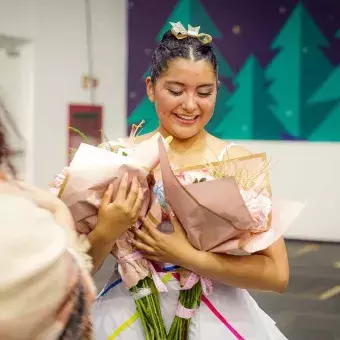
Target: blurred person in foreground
[(46, 290)]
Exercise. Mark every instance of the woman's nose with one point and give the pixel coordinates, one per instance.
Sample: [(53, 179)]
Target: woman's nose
[(189, 103)]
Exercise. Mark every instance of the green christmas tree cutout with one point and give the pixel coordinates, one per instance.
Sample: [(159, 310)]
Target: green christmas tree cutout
[(297, 71), (188, 12), (249, 116), (145, 111), (337, 35), (220, 111), (329, 92), (191, 12)]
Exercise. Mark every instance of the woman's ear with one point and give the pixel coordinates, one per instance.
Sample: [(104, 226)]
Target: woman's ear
[(150, 90)]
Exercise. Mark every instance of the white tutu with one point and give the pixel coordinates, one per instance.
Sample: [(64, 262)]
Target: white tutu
[(113, 312)]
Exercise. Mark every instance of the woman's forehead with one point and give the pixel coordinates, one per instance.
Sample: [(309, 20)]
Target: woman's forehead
[(188, 71)]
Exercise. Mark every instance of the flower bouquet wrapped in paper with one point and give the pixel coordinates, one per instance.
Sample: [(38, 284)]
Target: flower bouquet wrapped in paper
[(82, 187), (224, 207)]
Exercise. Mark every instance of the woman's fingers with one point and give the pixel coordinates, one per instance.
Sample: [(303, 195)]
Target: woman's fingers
[(175, 221), (151, 229), (107, 196), (138, 204), (143, 247), (133, 193), (122, 190), (145, 237)]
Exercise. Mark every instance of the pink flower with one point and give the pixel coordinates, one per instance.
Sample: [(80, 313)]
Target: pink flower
[(259, 206)]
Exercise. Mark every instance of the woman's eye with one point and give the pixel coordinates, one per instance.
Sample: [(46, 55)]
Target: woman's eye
[(175, 93), (204, 95)]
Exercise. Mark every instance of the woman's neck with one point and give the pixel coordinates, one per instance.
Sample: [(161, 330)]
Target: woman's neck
[(197, 142)]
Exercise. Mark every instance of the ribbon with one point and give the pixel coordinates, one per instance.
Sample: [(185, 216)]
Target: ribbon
[(207, 286), (133, 317), (141, 293), (180, 32), (130, 258), (185, 313), (161, 287), (165, 279)]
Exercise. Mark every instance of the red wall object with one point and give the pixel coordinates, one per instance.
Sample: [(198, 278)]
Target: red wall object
[(89, 120)]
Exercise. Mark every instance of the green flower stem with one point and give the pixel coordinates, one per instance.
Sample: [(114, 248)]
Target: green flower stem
[(149, 311), (190, 299)]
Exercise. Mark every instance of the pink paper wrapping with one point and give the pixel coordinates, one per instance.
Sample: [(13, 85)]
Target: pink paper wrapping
[(219, 215), (87, 178)]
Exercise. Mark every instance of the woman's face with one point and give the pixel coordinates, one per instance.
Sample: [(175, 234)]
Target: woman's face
[(184, 97)]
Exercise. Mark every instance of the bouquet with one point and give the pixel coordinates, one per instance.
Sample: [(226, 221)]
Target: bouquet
[(224, 207), (82, 187)]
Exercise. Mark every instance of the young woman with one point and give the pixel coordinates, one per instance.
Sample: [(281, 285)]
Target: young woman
[(46, 291), (183, 87)]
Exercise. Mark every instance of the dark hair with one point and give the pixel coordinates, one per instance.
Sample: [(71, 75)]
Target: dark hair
[(5, 150), (172, 48)]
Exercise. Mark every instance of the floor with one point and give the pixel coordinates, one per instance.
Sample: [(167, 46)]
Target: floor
[(310, 309)]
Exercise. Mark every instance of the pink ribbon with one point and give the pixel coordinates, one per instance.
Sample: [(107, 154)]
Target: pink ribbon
[(130, 258), (207, 286), (185, 313), (160, 285)]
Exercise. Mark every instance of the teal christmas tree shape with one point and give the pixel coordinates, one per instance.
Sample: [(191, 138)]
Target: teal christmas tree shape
[(145, 111), (329, 129), (329, 92), (299, 68), (337, 35), (249, 115), (220, 112), (187, 12), (191, 12)]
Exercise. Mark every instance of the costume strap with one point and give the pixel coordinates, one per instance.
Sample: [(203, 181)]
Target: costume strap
[(225, 150)]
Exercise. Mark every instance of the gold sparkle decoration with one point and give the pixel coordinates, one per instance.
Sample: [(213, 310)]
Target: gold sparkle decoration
[(236, 29)]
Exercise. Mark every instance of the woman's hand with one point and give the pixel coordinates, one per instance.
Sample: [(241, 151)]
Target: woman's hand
[(159, 247), (114, 218)]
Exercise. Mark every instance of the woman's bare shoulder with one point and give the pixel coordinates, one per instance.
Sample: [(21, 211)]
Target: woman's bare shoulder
[(234, 150)]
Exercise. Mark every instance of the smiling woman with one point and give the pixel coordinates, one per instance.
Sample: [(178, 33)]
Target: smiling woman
[(183, 86)]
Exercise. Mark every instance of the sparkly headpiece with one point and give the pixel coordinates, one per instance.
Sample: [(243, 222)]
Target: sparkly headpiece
[(180, 32)]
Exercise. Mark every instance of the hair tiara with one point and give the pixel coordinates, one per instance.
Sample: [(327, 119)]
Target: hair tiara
[(180, 32)]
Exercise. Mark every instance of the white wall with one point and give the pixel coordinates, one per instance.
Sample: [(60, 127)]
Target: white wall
[(309, 173), (57, 30)]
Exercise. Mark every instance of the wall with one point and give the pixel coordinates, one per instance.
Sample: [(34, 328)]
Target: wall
[(309, 173), (58, 57)]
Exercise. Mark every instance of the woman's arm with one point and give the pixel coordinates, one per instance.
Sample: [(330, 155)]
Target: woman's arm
[(114, 218), (266, 270), (100, 248)]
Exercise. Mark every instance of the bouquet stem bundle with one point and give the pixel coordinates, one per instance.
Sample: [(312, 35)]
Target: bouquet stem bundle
[(189, 299), (149, 310)]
